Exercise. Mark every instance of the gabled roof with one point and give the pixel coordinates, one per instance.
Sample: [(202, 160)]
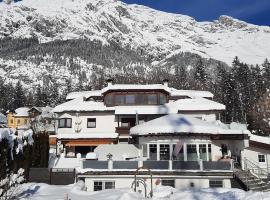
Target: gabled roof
[(80, 105), (22, 112), (170, 90), (260, 139), (177, 123)]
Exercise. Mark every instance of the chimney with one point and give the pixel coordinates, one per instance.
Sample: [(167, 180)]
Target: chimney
[(165, 82), (109, 82)]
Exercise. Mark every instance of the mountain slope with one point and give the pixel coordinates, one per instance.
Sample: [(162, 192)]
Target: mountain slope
[(139, 28)]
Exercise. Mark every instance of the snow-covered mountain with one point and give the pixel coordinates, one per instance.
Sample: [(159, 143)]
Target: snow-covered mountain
[(135, 26), (146, 38)]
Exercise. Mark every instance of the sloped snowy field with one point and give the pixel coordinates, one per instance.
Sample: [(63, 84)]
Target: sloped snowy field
[(40, 191)]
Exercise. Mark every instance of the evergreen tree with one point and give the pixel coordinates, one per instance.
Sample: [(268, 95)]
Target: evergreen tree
[(200, 75), (19, 98), (266, 74)]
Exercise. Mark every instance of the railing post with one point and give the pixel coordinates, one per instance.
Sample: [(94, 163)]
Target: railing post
[(170, 165), (232, 164), (201, 164), (140, 163), (110, 164)]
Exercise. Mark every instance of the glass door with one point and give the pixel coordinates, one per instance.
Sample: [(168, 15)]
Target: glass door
[(203, 152), (192, 152), (164, 152), (152, 151)]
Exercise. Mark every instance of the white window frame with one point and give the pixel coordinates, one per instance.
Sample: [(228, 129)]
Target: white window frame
[(103, 184), (184, 149), (222, 182)]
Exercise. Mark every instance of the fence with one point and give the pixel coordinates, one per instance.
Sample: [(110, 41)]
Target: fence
[(55, 176)]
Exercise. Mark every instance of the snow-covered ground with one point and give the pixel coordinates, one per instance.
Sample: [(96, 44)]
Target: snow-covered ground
[(41, 191)]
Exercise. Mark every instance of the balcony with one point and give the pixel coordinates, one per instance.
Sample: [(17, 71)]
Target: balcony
[(122, 131)]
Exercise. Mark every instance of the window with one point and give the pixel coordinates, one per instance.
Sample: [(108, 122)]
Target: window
[(169, 182), (109, 185), (18, 121), (202, 151), (97, 185), (65, 123), (144, 148), (215, 183), (91, 122), (162, 99), (11, 121), (152, 99), (153, 151), (191, 152), (25, 121), (101, 185), (130, 99), (141, 99), (119, 99), (261, 158), (180, 155), (109, 100), (209, 152), (164, 151)]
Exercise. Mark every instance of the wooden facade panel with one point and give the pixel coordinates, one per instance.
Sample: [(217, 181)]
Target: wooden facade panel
[(89, 142)]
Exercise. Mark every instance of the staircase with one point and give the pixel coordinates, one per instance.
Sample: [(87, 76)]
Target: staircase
[(252, 177), (250, 181)]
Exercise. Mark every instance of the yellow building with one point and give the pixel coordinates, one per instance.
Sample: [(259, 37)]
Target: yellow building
[(19, 119)]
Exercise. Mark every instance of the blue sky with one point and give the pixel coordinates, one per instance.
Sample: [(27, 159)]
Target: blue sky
[(252, 11)]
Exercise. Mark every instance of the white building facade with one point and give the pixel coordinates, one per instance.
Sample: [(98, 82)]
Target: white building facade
[(176, 134)]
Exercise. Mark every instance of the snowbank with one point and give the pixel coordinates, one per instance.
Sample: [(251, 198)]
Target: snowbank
[(39, 191)]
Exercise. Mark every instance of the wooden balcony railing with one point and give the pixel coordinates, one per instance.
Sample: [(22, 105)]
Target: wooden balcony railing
[(123, 131)]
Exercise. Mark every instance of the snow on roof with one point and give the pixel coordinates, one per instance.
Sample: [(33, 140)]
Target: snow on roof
[(177, 123), (79, 104), (196, 104), (260, 139), (67, 163), (135, 87), (171, 107), (170, 90), (87, 94), (86, 135), (3, 119), (22, 112), (191, 93)]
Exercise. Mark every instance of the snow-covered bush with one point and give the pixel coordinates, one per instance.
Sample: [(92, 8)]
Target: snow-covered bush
[(9, 185)]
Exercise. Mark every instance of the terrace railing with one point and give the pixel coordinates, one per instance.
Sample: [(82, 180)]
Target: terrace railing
[(160, 165)]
